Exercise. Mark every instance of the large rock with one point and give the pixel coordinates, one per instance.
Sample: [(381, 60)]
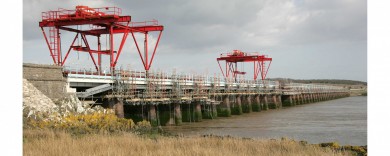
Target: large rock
[(34, 101)]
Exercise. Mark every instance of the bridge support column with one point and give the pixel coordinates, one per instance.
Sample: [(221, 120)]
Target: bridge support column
[(117, 105), (305, 98), (279, 98), (247, 106), (224, 108), (214, 109), (301, 100), (287, 100), (264, 102), (297, 99), (256, 105), (237, 106), (311, 97), (198, 112), (272, 103), (178, 118), (152, 115), (294, 99)]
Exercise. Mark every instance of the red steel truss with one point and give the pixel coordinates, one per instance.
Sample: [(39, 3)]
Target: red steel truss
[(261, 63), (106, 20)]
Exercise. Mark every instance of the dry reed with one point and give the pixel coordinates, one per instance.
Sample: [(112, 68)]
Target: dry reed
[(49, 142)]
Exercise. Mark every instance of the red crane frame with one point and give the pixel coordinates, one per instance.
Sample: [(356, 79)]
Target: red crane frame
[(232, 58), (106, 20)]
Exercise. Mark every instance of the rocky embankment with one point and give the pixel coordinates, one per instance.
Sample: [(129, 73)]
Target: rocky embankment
[(38, 106)]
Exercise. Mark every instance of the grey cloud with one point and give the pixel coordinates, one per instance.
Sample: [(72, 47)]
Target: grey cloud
[(202, 29)]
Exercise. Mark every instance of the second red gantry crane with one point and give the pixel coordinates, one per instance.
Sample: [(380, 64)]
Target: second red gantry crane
[(261, 63)]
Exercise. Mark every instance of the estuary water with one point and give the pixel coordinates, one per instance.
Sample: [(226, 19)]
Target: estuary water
[(341, 120)]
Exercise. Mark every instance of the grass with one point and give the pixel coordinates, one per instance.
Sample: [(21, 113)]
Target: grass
[(105, 134), (51, 142)]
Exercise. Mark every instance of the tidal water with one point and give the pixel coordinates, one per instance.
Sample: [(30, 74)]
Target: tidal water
[(341, 120)]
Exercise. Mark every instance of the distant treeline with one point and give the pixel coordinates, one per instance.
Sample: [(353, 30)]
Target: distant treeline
[(326, 81)]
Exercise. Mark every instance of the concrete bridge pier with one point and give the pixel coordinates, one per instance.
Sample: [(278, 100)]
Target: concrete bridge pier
[(177, 114), (214, 111), (287, 100), (198, 111), (312, 98), (308, 98), (264, 102), (236, 107), (279, 100), (303, 100), (224, 108), (247, 104), (256, 105), (318, 97), (298, 99), (117, 105), (273, 104), (152, 115)]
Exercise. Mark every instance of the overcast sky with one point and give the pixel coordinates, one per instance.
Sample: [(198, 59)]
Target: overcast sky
[(307, 39)]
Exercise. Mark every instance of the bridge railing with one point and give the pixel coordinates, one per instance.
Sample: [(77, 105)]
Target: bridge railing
[(199, 80)]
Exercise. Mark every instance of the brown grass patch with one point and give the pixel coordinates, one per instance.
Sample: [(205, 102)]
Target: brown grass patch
[(49, 142)]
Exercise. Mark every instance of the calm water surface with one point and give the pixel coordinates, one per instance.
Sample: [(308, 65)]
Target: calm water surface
[(342, 120)]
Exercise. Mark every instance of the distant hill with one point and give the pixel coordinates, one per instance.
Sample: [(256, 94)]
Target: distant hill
[(324, 81)]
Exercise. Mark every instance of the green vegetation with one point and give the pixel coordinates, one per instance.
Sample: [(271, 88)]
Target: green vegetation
[(272, 106), (223, 112), (256, 107), (236, 110), (208, 114), (198, 116), (96, 122), (247, 108)]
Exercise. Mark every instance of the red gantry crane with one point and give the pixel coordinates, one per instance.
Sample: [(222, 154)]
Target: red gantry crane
[(101, 21), (261, 63)]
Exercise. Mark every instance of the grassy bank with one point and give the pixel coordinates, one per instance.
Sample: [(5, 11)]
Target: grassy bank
[(50, 142), (105, 134)]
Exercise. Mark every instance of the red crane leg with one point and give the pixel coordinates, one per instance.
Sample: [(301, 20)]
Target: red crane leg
[(99, 55), (267, 69), (146, 51), (59, 54), (111, 49), (89, 50), (254, 70), (66, 56), (220, 68), (48, 45), (139, 52), (227, 72), (121, 45), (154, 51)]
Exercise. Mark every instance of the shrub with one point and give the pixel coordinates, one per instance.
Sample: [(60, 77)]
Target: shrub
[(97, 122)]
